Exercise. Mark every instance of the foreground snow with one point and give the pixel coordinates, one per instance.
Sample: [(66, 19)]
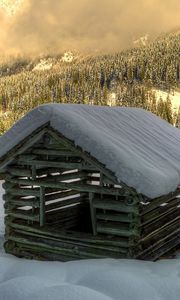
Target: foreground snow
[(140, 148), (89, 279)]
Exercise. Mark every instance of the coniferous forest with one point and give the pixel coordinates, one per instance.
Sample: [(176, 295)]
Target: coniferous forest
[(128, 78)]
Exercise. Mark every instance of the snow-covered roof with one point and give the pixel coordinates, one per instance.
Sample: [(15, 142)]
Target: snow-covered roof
[(140, 148)]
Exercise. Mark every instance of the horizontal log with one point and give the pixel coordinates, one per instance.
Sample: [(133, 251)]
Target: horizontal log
[(25, 156), (23, 192), (124, 218), (63, 203), (25, 215), (115, 229), (51, 245), (71, 235), (25, 202), (74, 185), (64, 165), (114, 205), (64, 152), (19, 171), (82, 243), (61, 195), (65, 177)]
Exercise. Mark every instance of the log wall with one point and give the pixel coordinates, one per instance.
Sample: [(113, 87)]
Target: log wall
[(60, 205)]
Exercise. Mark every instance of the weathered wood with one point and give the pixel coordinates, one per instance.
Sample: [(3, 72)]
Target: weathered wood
[(71, 235), (23, 192), (93, 213), (42, 206), (158, 201), (23, 214), (116, 229), (64, 152), (19, 171), (26, 202), (115, 205), (124, 218), (75, 186), (24, 145), (48, 164), (63, 203), (62, 194)]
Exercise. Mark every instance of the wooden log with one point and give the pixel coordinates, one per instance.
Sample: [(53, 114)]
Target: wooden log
[(124, 218), (42, 207), (64, 165), (161, 250), (162, 231), (50, 245), (19, 171), (25, 156), (63, 203), (23, 214), (72, 244), (158, 211), (158, 201), (115, 205), (70, 235), (162, 220), (93, 214), (116, 229), (50, 152), (65, 177), (24, 145), (26, 202), (62, 194), (23, 192), (158, 243), (64, 185)]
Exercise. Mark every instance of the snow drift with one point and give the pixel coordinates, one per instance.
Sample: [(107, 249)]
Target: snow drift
[(139, 147), (106, 279)]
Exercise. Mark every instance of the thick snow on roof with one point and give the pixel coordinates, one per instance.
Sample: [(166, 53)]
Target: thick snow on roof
[(141, 149)]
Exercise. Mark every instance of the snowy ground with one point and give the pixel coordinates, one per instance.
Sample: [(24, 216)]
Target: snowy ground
[(175, 98), (105, 279)]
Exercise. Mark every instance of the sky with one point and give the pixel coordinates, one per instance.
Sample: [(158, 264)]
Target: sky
[(82, 25)]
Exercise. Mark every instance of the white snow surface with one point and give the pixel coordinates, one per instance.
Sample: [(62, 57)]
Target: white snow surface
[(106, 279), (139, 147)]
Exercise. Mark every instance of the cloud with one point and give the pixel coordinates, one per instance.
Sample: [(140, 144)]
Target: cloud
[(96, 25)]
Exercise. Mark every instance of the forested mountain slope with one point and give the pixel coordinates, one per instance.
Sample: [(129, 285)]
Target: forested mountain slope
[(127, 78)]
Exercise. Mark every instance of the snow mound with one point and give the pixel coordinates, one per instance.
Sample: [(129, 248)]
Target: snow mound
[(139, 147), (106, 279)]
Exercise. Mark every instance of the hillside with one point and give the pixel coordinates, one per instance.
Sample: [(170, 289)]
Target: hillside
[(127, 78)]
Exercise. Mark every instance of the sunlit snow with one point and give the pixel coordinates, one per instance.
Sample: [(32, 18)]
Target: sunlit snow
[(173, 96), (44, 64)]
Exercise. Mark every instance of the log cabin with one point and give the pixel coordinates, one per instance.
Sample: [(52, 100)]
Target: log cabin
[(86, 182)]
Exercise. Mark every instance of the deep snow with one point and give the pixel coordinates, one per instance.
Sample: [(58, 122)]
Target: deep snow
[(139, 147), (103, 279)]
